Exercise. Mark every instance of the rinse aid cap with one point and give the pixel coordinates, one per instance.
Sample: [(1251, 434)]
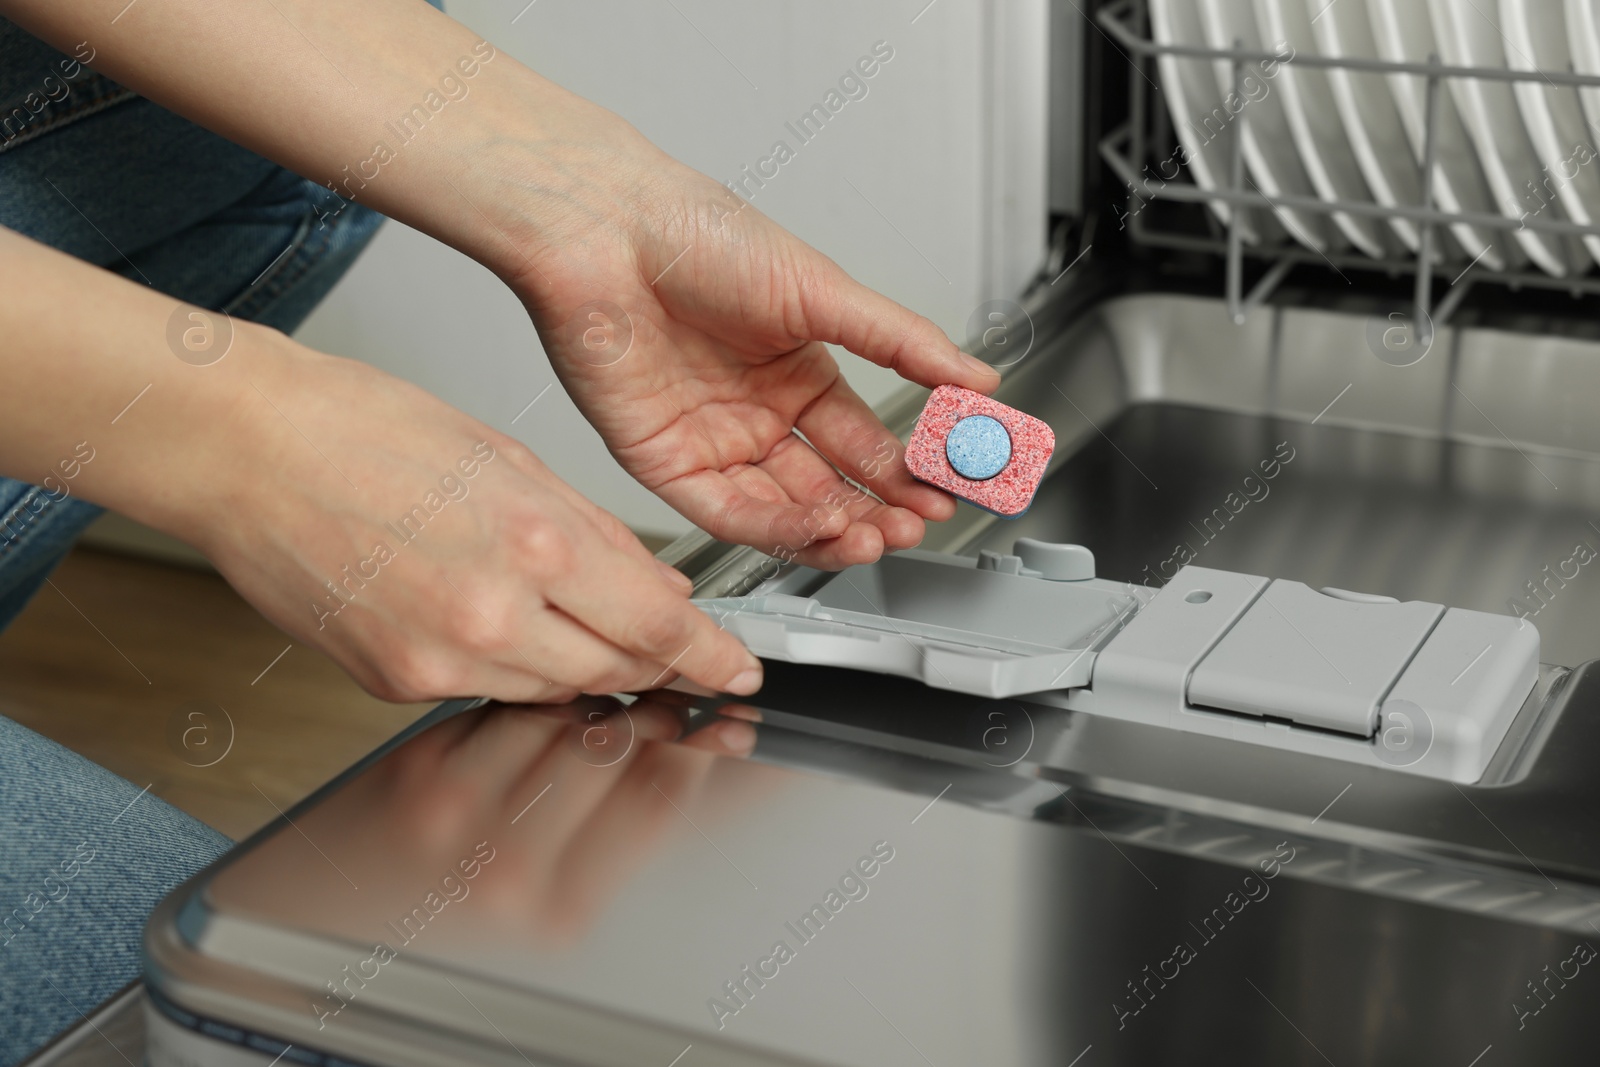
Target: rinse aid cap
[(980, 450)]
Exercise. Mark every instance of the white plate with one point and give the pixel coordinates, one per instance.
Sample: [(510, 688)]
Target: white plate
[(1402, 32), (1318, 133), (1583, 34), (1536, 39), (1469, 35), (1268, 145), (1370, 115), (1207, 149)]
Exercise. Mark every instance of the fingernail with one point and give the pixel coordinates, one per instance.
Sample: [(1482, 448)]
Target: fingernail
[(978, 366), (676, 578), (745, 682)]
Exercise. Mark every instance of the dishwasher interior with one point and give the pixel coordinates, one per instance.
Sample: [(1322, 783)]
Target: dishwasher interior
[(1426, 902), (1080, 890), (1432, 436)]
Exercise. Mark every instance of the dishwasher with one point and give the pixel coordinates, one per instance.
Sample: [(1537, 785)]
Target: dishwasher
[(1000, 852)]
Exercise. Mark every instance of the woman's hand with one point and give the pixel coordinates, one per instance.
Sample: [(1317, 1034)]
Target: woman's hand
[(520, 589), (429, 555), (728, 313), (691, 331)]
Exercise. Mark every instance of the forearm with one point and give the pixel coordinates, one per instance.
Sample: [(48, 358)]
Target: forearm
[(97, 405), (388, 102), (429, 555)]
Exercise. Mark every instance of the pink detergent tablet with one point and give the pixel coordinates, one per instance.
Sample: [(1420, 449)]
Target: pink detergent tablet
[(980, 450)]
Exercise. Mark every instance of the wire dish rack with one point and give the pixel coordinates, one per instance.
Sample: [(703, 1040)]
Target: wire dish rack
[(1125, 149)]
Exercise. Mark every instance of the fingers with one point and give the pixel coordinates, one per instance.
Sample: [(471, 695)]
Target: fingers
[(612, 527), (750, 508), (628, 603), (473, 659), (570, 654), (675, 578), (795, 506), (841, 426), (874, 527), (520, 683), (626, 540), (839, 310)]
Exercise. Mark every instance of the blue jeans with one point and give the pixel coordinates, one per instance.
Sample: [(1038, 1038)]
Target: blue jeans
[(95, 170)]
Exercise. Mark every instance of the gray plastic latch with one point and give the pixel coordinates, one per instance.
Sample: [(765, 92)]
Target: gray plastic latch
[(1041, 559), (999, 562), (1057, 562), (1313, 659), (1358, 598)]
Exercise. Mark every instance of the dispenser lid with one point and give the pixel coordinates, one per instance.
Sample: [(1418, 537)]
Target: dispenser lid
[(993, 626)]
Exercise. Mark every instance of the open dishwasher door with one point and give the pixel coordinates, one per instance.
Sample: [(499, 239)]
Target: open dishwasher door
[(896, 874)]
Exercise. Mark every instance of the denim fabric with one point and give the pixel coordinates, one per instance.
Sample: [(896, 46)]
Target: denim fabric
[(180, 209), (97, 171), (84, 856)]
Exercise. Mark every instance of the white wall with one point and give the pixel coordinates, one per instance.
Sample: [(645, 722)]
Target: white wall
[(949, 145)]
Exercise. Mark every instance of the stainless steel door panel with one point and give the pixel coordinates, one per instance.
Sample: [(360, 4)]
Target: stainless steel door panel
[(618, 910)]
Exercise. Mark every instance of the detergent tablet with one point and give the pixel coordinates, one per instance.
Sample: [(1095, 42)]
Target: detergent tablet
[(980, 450)]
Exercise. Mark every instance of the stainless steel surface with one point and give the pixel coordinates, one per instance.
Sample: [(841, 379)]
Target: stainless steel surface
[(1047, 864), (616, 906), (1468, 478), (1402, 481), (1067, 148), (1125, 150)]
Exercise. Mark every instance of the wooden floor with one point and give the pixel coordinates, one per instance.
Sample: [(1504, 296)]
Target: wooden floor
[(105, 658)]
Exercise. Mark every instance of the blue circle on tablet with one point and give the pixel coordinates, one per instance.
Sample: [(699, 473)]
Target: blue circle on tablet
[(978, 447)]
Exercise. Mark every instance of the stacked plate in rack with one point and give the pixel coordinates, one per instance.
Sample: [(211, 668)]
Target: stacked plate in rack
[(1516, 149)]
